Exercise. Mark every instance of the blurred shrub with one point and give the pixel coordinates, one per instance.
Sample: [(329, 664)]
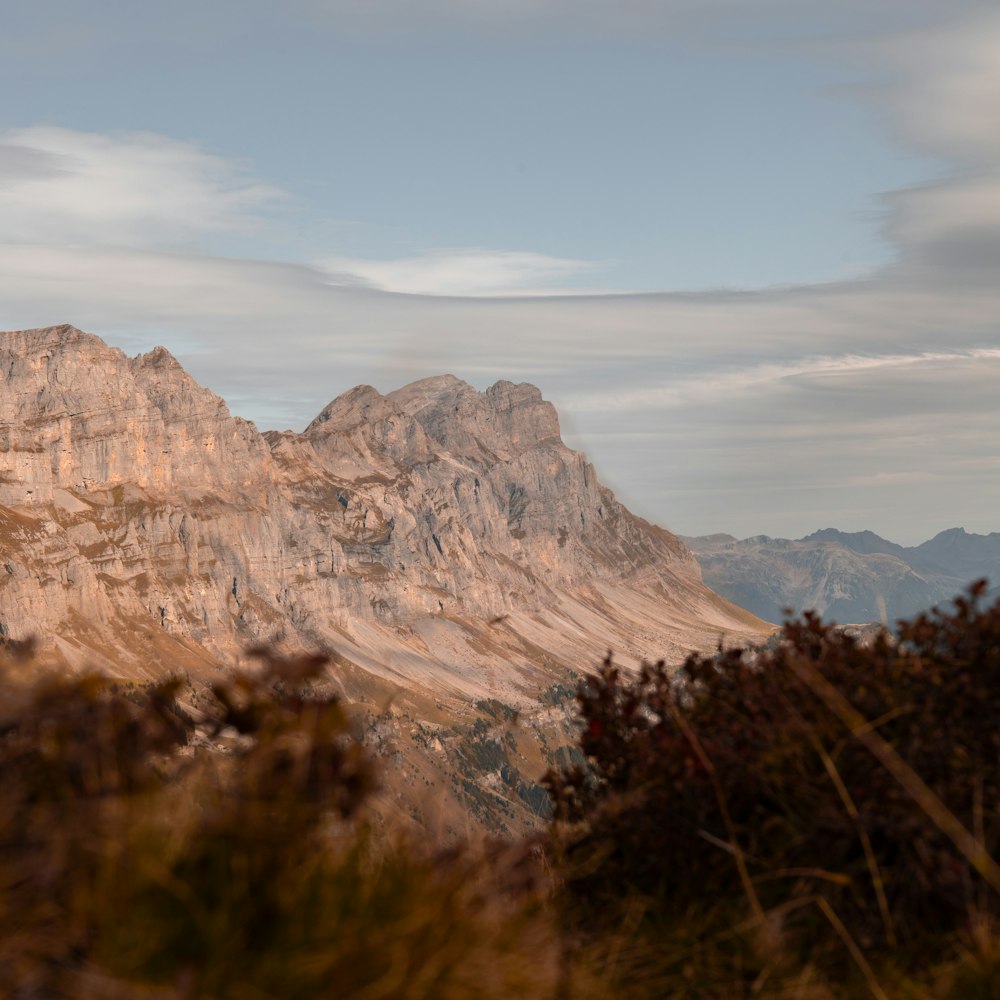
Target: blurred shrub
[(843, 799), (133, 866), (818, 819)]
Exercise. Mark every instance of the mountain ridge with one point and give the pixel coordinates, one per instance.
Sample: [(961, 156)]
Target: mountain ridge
[(847, 576), (442, 543)]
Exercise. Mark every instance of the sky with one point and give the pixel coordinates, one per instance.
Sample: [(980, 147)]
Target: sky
[(750, 249)]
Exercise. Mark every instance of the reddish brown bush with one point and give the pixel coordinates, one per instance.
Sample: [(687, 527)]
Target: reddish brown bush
[(854, 790)]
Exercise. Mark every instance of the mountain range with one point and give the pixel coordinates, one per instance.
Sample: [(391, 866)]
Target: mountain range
[(455, 559), (849, 577)]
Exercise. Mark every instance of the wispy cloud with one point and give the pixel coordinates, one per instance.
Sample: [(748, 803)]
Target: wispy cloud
[(940, 83), (722, 384), (135, 189), (470, 272), (940, 89), (720, 20)]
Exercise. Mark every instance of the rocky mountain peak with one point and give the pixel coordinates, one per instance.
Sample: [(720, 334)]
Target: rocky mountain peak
[(349, 409), (434, 499), (79, 415), (951, 535), (852, 576), (866, 542), (61, 336), (442, 542), (431, 418), (31, 354), (499, 424), (977, 555), (438, 390), (158, 357)]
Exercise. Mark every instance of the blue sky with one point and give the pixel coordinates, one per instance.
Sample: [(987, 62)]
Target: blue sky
[(666, 163), (750, 249)]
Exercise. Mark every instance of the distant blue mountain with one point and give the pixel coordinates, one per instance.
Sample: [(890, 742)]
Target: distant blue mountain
[(865, 542), (849, 577), (961, 554)]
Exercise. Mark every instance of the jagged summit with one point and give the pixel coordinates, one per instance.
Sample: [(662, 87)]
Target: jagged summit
[(58, 334), (858, 541), (41, 343), (80, 415), (428, 392), (442, 542), (434, 416), (158, 357), (365, 402), (348, 409), (951, 536), (389, 510)]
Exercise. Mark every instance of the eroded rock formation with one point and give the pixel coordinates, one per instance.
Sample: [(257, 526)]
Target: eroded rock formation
[(442, 542)]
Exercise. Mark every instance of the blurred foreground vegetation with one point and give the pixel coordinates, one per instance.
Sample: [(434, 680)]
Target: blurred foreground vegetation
[(816, 820)]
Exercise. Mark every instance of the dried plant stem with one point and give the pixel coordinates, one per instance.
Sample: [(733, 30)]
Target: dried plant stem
[(866, 844), (942, 817), (720, 797), (852, 947)]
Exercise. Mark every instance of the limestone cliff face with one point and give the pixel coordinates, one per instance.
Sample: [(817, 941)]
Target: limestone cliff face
[(78, 415), (129, 493), (442, 542)]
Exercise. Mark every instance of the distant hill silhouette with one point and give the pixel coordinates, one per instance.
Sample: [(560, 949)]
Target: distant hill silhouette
[(847, 576)]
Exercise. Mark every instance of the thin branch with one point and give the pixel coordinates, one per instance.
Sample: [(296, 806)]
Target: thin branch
[(942, 817)]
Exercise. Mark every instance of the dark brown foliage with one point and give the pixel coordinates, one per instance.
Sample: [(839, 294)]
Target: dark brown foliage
[(815, 820), (144, 854), (737, 779)]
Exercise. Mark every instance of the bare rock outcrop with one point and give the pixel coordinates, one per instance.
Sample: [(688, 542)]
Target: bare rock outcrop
[(128, 489), (443, 542), (78, 415)]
